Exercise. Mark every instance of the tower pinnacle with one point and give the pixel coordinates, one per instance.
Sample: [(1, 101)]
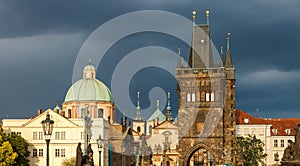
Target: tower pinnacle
[(207, 17), (138, 108), (228, 60)]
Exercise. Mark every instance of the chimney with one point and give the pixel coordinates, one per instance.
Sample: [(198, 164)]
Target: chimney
[(57, 111), (40, 111), (129, 123), (153, 122)]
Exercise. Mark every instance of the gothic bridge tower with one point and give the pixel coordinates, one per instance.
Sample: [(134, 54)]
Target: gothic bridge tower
[(206, 102)]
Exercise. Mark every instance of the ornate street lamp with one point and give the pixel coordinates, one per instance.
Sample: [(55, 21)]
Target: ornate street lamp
[(47, 128), (100, 145)]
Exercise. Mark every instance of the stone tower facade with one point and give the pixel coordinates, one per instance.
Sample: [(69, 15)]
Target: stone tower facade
[(206, 103)]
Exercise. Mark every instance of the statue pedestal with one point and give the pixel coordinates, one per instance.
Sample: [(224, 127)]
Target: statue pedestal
[(291, 163)]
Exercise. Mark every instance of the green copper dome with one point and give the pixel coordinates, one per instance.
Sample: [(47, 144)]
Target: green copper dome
[(89, 90)]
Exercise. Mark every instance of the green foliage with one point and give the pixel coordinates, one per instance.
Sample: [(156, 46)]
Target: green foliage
[(251, 148), (69, 162), (7, 155), (19, 147)]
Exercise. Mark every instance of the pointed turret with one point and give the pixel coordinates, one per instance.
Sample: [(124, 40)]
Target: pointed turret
[(228, 60), (169, 109), (138, 108)]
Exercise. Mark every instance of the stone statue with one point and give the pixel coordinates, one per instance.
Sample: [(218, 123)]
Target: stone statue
[(291, 156), (79, 155)]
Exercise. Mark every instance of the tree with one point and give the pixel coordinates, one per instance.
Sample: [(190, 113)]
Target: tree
[(7, 155), (69, 162), (18, 145), (251, 150)]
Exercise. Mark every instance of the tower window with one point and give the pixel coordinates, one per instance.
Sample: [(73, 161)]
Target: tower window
[(193, 97), (207, 97), (100, 113), (188, 97), (69, 113)]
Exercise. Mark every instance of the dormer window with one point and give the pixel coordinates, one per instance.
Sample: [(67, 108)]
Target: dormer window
[(246, 120), (274, 131)]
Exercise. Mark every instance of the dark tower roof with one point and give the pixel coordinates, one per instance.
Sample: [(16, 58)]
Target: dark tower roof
[(202, 55)]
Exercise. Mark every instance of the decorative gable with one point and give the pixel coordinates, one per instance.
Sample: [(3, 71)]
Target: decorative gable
[(59, 121)]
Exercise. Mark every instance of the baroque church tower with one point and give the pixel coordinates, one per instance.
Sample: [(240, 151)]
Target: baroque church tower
[(206, 102)]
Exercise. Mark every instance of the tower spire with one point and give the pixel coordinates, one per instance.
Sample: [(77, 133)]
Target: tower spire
[(168, 112), (138, 108), (90, 61), (222, 55), (228, 60), (179, 62), (207, 17)]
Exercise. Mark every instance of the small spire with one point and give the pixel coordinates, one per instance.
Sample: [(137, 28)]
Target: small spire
[(207, 17), (138, 98), (222, 55), (90, 61), (179, 59), (228, 60), (168, 112), (138, 108), (194, 17), (228, 41)]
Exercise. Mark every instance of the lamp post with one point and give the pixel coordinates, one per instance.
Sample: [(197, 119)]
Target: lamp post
[(47, 128), (100, 142)]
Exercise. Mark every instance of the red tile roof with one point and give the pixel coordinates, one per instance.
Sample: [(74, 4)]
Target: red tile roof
[(281, 124)]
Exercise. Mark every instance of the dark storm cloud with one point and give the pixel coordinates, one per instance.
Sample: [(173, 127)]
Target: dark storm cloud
[(39, 42)]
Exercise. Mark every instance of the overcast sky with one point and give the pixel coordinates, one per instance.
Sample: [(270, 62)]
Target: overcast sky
[(40, 41)]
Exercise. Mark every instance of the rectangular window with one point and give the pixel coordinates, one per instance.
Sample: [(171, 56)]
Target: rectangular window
[(63, 153), (57, 152), (40, 135), (193, 97), (41, 152), (100, 113), (34, 135), (63, 135), (282, 143), (188, 97), (19, 133), (261, 132), (275, 143), (238, 132), (34, 152), (212, 97), (13, 133), (207, 97), (57, 135)]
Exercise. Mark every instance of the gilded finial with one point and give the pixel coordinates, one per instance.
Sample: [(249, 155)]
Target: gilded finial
[(169, 94), (228, 40), (157, 104), (194, 16), (178, 50), (207, 17), (207, 13)]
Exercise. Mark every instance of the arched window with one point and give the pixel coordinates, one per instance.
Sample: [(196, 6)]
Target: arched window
[(138, 129)]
